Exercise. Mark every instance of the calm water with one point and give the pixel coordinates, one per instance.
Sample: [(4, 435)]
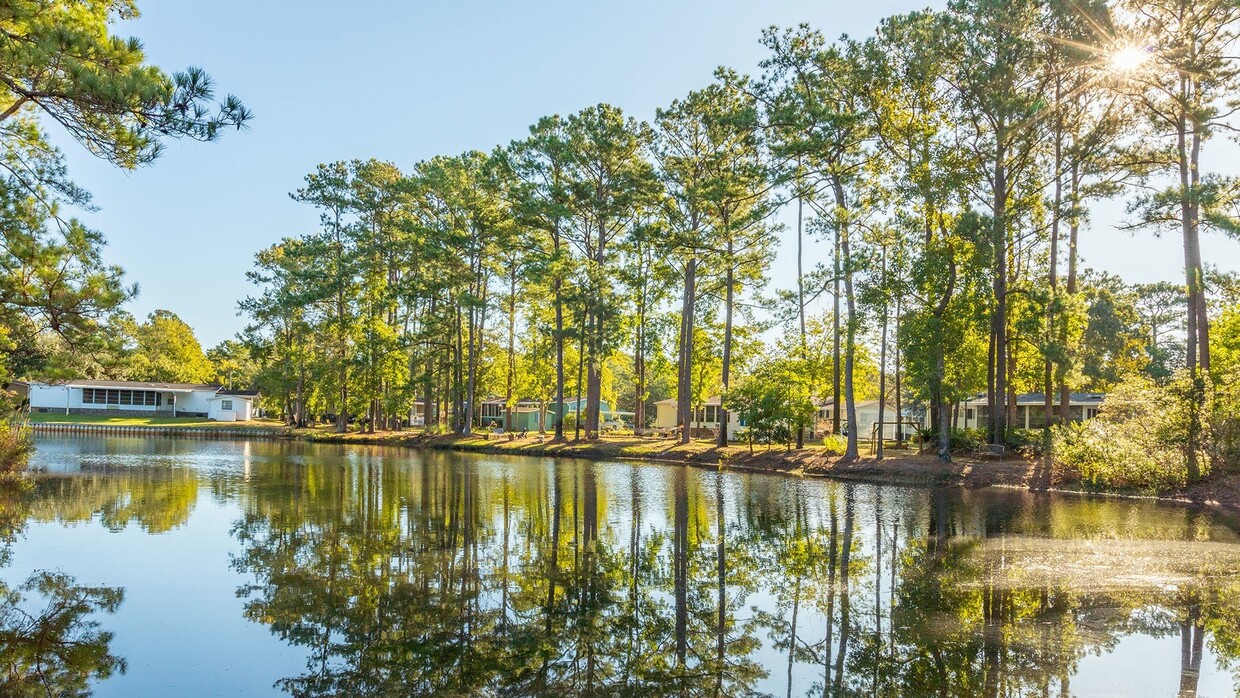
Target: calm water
[(178, 567)]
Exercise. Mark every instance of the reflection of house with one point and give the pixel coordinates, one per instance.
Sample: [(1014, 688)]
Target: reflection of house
[(1030, 410), (139, 399)]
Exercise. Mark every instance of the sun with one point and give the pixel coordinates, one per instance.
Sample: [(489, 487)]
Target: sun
[(1128, 58)]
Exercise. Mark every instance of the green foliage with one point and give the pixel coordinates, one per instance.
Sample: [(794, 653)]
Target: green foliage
[(1225, 344), (167, 351), (16, 445), (59, 650), (774, 402), (61, 63), (834, 444), (1136, 442)]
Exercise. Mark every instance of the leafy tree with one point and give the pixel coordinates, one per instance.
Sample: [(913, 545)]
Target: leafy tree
[(166, 350), (1183, 88), (612, 184), (60, 62), (232, 364)]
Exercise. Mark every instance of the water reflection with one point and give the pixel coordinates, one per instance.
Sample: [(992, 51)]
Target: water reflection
[(411, 574), (463, 576), (58, 648)]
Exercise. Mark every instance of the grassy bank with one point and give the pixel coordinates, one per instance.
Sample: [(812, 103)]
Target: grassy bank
[(901, 466)]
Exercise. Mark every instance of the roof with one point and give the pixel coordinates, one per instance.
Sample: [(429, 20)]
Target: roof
[(129, 385), (1040, 398), (712, 400), (235, 395), (239, 393)]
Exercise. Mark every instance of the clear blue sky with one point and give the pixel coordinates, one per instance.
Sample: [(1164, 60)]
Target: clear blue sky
[(403, 81)]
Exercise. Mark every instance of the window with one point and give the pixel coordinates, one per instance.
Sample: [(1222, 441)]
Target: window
[(226, 405), (968, 413), (101, 396), (712, 414)]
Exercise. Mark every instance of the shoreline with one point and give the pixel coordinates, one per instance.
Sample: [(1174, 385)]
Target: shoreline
[(901, 467), (905, 467)]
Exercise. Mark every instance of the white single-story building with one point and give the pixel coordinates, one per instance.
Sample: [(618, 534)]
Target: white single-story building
[(138, 399), (232, 405), (1030, 409), (707, 418), (867, 418)]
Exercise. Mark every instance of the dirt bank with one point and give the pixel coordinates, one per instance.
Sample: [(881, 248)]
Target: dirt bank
[(901, 466)]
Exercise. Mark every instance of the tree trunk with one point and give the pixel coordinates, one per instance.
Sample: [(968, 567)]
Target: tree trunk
[(899, 397), (1000, 321), (1196, 352), (850, 343), (639, 368), (512, 347), (581, 366), (1074, 196), (882, 365), (727, 348), (835, 339), (559, 355), (1048, 367), (684, 383)]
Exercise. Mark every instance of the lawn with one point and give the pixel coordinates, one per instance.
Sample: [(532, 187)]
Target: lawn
[(52, 418)]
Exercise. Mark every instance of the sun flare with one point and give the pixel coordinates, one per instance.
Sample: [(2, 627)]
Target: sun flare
[(1128, 58)]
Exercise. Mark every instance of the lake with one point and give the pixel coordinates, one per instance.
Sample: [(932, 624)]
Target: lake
[(140, 566)]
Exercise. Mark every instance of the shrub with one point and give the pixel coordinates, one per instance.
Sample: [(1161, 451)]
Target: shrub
[(1137, 441), (962, 439), (835, 444), (1223, 423), (15, 447), (1030, 442)]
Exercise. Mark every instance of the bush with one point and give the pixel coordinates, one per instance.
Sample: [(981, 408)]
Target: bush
[(962, 439), (15, 447), (1223, 423), (1029, 442), (1136, 442), (835, 444)]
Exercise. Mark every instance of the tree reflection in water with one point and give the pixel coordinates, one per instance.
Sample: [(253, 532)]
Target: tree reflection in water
[(519, 577), (59, 649)]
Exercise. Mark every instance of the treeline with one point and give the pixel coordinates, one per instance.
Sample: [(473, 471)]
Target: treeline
[(60, 302), (948, 163)]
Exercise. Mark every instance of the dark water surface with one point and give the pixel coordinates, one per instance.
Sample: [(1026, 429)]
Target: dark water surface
[(183, 568)]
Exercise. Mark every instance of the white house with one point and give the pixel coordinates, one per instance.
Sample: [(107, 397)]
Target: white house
[(138, 399), (707, 418), (232, 405), (1030, 409), (867, 419)]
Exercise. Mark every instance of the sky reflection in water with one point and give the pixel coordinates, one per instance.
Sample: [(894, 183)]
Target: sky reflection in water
[(217, 567)]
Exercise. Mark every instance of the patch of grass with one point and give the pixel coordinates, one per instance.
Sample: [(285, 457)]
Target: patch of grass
[(52, 418)]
